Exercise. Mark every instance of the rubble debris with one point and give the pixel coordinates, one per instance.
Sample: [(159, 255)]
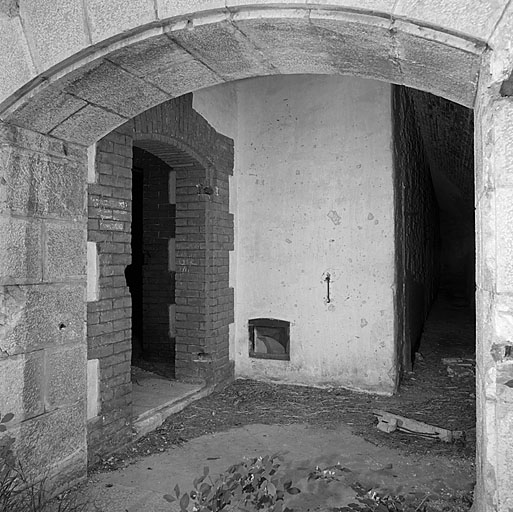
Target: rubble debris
[(388, 422), (460, 366)]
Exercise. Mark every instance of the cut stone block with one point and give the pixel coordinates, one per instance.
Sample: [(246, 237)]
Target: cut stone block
[(21, 383), (165, 64), (65, 251), (93, 388), (41, 315), (20, 250), (107, 19), (66, 376), (56, 29), (41, 184), (114, 88), (15, 61), (56, 436)]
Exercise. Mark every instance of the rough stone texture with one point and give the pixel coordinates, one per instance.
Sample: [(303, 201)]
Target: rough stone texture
[(436, 65), (166, 9), (494, 465), (41, 315), (110, 86), (65, 376), (348, 41), (107, 19), (21, 250), (42, 307), (65, 255), (15, 60), (224, 49), (21, 390), (322, 46), (162, 62), (9, 8), (300, 44), (53, 439), (55, 29), (41, 184), (48, 110), (504, 237), (87, 125), (504, 147), (477, 17), (501, 59)]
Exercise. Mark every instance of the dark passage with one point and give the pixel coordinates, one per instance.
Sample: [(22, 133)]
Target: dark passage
[(433, 150), (151, 282)]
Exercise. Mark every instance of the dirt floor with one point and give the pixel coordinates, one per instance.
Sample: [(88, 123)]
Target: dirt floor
[(432, 393)]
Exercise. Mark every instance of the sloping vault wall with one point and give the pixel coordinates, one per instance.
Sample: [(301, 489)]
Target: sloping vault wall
[(72, 71)]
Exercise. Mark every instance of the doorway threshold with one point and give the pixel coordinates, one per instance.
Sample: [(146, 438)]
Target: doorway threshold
[(155, 398)]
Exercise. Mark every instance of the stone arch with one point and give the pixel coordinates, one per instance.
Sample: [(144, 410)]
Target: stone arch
[(67, 67), (164, 59)]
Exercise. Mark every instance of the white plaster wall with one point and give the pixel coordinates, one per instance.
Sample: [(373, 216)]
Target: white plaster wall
[(218, 105), (315, 194), (312, 192)]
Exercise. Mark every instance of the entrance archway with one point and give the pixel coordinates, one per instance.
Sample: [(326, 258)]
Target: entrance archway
[(65, 87)]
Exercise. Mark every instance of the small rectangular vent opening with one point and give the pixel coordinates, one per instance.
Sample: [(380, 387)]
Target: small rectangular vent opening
[(269, 339)]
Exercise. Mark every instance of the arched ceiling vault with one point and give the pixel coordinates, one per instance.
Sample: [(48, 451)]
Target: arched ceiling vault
[(80, 76)]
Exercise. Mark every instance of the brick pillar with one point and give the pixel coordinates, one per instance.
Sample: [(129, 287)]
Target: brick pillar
[(494, 298), (109, 317), (192, 358), (42, 307)]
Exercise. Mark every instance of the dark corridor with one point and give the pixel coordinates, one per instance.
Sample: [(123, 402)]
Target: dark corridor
[(150, 278), (433, 152)]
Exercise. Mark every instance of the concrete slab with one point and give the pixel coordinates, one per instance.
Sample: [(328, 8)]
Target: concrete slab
[(305, 447), (154, 398)]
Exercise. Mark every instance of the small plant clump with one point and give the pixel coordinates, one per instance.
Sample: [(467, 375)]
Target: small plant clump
[(251, 485), (18, 492)]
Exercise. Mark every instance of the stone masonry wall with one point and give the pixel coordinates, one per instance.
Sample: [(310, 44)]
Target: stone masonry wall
[(203, 161), (418, 242), (109, 318), (42, 310)]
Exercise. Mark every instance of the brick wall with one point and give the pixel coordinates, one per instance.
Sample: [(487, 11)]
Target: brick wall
[(109, 318), (203, 161), (417, 226)]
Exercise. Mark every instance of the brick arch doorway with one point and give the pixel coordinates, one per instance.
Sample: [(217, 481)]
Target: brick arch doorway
[(161, 205), (199, 162)]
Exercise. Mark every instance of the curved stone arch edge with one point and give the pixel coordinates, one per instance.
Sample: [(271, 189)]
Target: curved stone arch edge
[(175, 143), (102, 50)]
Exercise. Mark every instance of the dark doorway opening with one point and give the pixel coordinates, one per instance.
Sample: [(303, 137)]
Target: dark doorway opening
[(151, 276), (433, 149), (134, 270)]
